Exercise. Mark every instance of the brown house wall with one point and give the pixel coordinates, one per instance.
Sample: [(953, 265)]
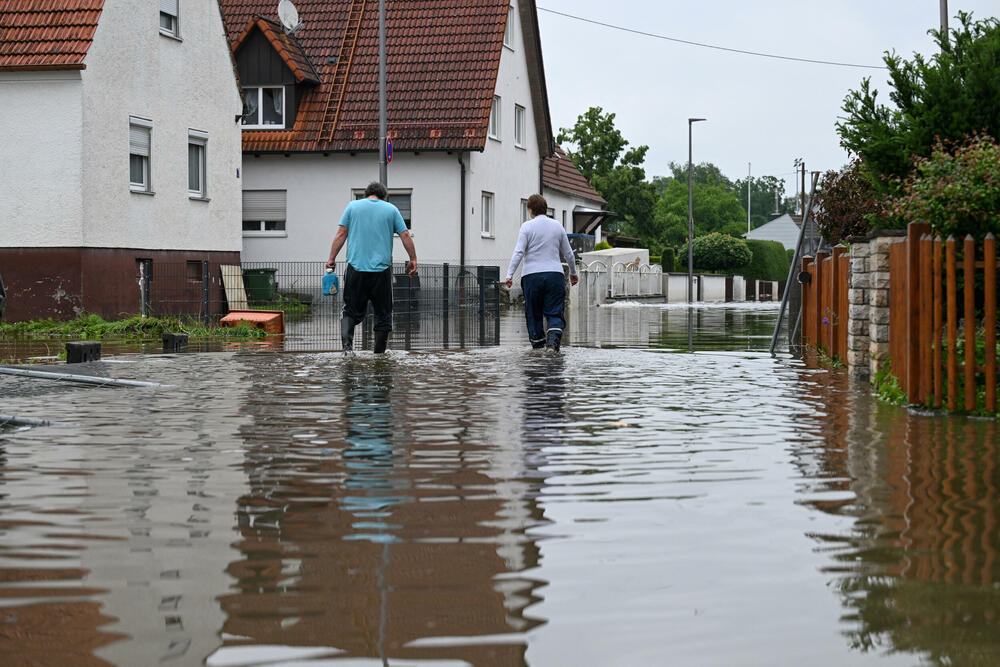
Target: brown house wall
[(63, 283)]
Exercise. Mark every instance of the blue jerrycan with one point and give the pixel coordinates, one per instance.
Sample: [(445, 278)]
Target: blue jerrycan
[(331, 285)]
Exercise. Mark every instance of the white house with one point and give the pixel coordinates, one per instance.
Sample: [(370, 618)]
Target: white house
[(784, 229), (121, 144), (467, 115), (571, 197)]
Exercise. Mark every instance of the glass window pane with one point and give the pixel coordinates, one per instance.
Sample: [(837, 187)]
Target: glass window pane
[(274, 225), (167, 21), (272, 106), (194, 167), (250, 106), (402, 202), (251, 225), (136, 169)]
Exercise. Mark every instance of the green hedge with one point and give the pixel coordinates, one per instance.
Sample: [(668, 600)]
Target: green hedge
[(667, 260), (769, 261), (719, 252)]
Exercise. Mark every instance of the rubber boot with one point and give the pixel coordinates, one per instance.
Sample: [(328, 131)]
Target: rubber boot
[(554, 339), (381, 341), (347, 334)]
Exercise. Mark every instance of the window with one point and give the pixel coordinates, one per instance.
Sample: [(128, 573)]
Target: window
[(508, 33), (495, 118), (551, 212), (486, 211), (139, 138), (264, 212), (265, 107), (524, 210), (197, 147), (398, 198), (168, 18), (193, 268), (564, 218), (518, 125)]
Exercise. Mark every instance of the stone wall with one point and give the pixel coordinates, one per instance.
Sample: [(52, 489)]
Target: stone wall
[(868, 298)]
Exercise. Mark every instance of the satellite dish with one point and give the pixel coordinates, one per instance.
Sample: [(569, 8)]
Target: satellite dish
[(289, 16)]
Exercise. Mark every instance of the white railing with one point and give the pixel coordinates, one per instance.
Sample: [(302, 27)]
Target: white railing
[(599, 282)]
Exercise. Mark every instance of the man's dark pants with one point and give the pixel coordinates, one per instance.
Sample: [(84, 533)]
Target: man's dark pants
[(360, 287), (544, 297)]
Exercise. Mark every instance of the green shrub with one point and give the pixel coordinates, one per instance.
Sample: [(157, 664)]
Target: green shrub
[(654, 259), (769, 261), (719, 252), (667, 260), (956, 189), (603, 245)]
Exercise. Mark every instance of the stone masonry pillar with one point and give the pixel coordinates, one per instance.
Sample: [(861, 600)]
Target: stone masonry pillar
[(858, 324), (878, 301)]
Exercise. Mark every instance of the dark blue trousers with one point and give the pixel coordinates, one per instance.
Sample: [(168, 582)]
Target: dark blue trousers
[(544, 296)]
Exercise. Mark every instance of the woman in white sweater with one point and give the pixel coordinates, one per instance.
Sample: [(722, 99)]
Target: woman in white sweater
[(543, 246)]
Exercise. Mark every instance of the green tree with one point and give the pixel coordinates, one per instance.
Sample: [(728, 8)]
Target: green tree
[(764, 192), (719, 252), (846, 204), (952, 94), (716, 208), (598, 148)]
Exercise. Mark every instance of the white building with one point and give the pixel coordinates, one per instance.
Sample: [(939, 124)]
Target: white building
[(467, 115), (784, 229), (121, 144)]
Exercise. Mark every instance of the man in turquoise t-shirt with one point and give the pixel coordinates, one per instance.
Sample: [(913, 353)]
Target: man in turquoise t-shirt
[(368, 226)]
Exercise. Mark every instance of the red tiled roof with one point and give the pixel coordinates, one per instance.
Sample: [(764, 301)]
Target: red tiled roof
[(559, 173), (46, 34), (443, 58), (286, 45)]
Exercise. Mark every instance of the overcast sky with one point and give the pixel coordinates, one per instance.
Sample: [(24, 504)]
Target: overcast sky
[(760, 110)]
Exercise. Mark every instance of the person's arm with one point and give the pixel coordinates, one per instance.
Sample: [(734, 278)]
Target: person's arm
[(338, 243), (411, 250), (515, 260), (567, 254)]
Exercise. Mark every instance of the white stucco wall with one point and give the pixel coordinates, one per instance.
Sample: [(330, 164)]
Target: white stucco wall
[(40, 150), (178, 84)]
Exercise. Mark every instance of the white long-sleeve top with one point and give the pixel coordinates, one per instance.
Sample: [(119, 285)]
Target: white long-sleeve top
[(543, 245)]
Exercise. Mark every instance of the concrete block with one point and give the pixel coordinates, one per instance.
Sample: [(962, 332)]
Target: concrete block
[(881, 280), (879, 298), (82, 351), (859, 265), (878, 262), (880, 335), (879, 316), (857, 297), (175, 342), (857, 328), (860, 250), (881, 245), (860, 280), (857, 358), (858, 312)]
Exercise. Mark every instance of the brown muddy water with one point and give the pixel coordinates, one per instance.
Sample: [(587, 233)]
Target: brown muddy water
[(624, 503)]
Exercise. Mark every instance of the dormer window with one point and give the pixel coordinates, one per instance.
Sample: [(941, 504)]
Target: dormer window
[(265, 108)]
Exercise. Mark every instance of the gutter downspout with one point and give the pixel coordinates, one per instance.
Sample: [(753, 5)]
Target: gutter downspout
[(461, 214)]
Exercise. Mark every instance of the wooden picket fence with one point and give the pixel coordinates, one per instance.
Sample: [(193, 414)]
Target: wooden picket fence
[(924, 319), (824, 302)]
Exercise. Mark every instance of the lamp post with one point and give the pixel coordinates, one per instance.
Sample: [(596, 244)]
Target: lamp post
[(383, 171), (691, 121)]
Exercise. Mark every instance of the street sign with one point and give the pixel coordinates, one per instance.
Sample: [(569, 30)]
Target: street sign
[(388, 150)]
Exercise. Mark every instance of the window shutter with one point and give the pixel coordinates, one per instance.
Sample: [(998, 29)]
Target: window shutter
[(169, 7), (264, 204), (138, 140)]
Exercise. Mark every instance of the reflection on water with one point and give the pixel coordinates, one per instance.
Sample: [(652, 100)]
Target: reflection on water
[(610, 505)]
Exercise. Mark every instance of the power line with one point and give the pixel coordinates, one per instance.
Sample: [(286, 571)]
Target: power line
[(708, 46)]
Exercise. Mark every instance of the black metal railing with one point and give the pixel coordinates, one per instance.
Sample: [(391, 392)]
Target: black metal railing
[(442, 306)]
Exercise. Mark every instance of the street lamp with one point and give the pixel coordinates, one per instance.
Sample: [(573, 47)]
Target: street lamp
[(691, 121)]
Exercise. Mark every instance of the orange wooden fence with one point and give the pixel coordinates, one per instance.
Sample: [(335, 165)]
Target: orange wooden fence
[(824, 302), (924, 319)]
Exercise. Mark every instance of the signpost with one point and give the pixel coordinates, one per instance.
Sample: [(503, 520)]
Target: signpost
[(388, 150)]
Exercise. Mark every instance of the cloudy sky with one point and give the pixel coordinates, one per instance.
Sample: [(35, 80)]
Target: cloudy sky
[(760, 110)]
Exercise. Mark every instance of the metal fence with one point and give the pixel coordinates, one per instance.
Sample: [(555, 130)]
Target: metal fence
[(443, 306)]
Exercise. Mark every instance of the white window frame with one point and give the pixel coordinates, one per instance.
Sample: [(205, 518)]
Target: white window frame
[(359, 193), (170, 8), (519, 125), (260, 100), (487, 227), (494, 129), (279, 213), (525, 215), (200, 139), (136, 123), (508, 33)]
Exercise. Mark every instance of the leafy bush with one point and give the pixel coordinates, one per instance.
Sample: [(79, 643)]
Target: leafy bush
[(846, 204), (719, 252), (603, 245), (769, 261), (956, 189), (667, 260), (133, 328)]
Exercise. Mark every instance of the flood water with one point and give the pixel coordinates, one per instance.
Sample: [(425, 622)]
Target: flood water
[(624, 503)]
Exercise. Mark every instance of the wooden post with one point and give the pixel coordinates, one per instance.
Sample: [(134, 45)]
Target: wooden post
[(926, 321), (807, 305), (951, 286), (836, 276), (969, 263), (819, 293), (990, 320), (936, 344), (913, 310)]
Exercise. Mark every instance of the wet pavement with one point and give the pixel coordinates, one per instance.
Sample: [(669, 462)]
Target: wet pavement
[(624, 503)]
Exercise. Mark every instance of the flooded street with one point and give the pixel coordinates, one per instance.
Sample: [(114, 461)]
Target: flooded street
[(623, 503)]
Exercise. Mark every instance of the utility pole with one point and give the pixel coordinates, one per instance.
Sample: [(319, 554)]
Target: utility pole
[(944, 22), (748, 197), (383, 170), (691, 121)]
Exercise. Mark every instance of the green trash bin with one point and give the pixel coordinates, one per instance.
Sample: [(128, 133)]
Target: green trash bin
[(261, 285)]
